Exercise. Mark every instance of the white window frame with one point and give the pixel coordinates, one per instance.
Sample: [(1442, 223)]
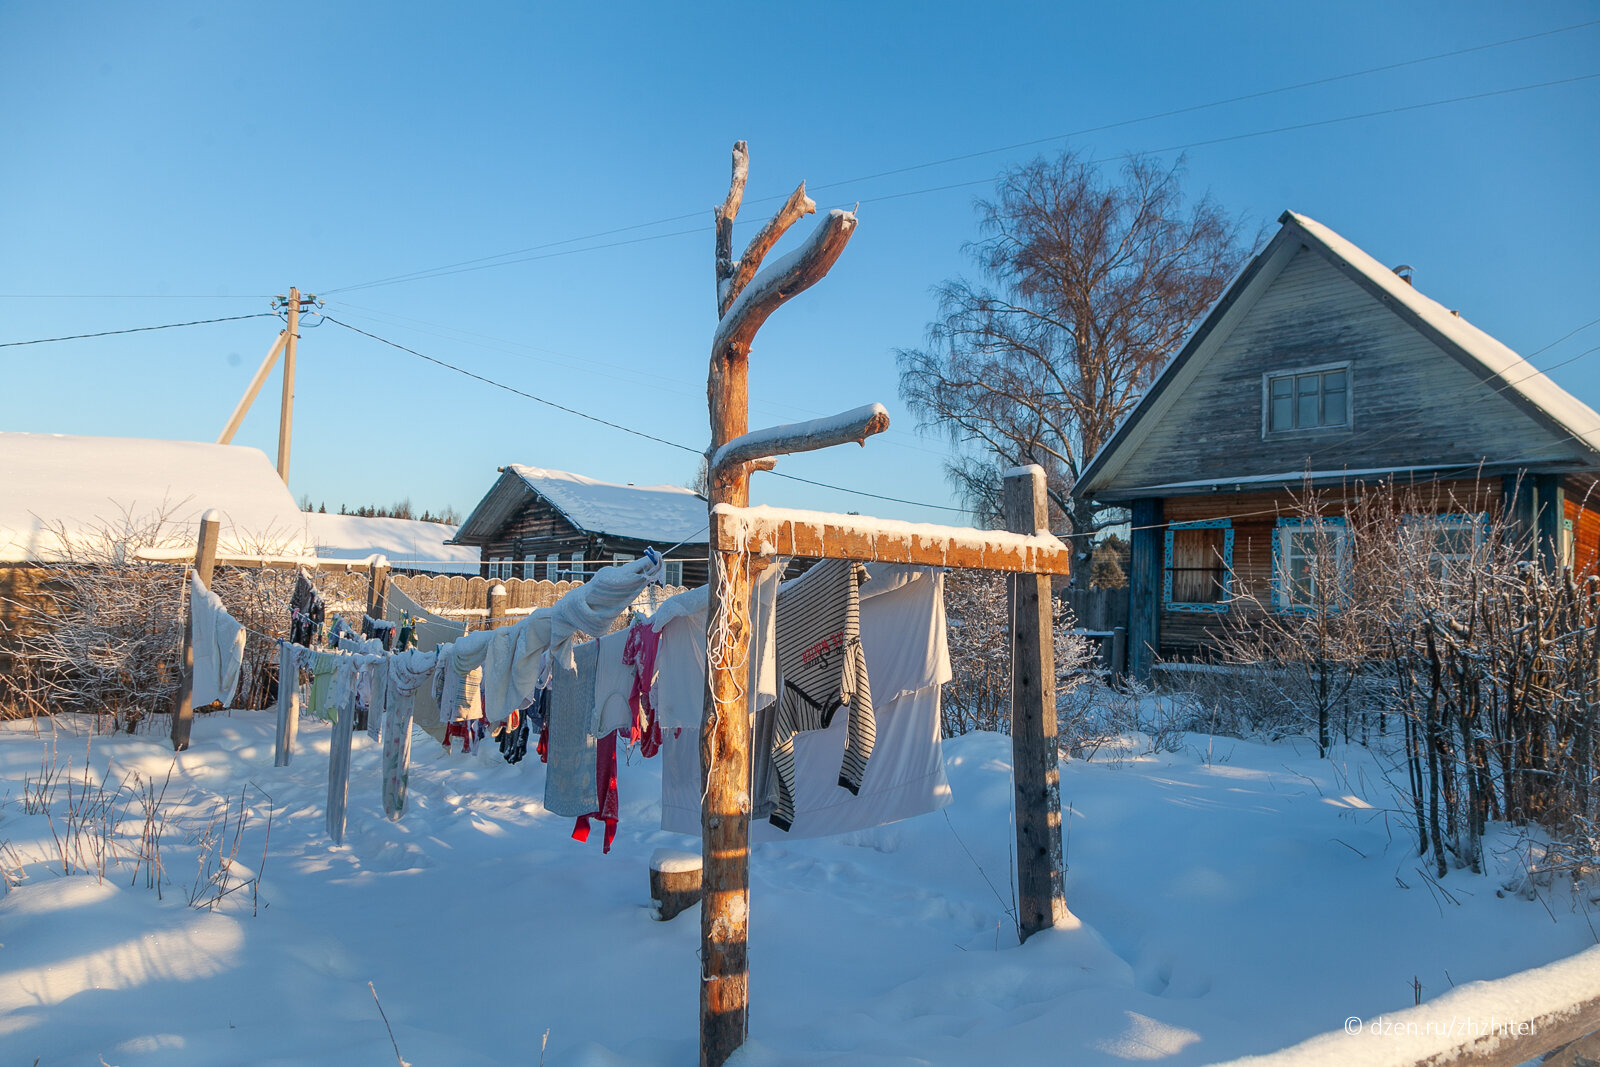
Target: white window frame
[(674, 572), (1321, 368), (1282, 558), (576, 572)]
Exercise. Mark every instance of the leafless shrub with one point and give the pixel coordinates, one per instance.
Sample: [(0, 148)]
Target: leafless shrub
[(1420, 618), (978, 697), (109, 620), (218, 873)]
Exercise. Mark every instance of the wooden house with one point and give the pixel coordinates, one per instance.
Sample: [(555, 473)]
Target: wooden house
[(1321, 365), (537, 523)]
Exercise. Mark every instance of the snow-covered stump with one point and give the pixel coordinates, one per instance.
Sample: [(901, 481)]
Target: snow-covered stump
[(675, 882)]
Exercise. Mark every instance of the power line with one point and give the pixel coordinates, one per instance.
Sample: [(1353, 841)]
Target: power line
[(137, 329), (1257, 95), (485, 261), (1264, 133), (497, 261), (618, 426), (862, 492), (513, 389), (133, 296)]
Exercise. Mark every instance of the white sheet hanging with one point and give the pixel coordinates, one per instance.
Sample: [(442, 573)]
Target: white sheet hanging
[(903, 635), (679, 691), (218, 642)]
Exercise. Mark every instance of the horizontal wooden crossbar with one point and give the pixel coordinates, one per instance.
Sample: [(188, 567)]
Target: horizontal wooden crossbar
[(820, 535)]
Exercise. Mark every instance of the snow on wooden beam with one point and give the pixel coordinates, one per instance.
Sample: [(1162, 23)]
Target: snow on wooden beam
[(856, 425), (821, 535)]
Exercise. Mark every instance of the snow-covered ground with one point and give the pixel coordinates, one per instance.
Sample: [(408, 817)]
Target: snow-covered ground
[(1230, 899)]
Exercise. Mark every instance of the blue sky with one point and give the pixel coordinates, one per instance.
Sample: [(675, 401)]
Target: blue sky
[(164, 163)]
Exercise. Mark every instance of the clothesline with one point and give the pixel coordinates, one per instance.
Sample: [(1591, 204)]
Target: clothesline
[(816, 772)]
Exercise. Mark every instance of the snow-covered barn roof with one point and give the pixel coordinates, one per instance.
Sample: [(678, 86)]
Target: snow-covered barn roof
[(64, 496), (409, 544), (664, 514)]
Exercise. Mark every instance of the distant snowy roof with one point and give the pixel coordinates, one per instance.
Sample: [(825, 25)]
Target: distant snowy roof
[(663, 515), (409, 544), (667, 513), (87, 489)]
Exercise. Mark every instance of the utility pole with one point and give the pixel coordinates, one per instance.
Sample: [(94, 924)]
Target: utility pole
[(286, 410)]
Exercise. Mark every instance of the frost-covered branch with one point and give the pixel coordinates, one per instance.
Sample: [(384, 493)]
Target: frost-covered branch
[(780, 281), (725, 214), (856, 425), (797, 206)]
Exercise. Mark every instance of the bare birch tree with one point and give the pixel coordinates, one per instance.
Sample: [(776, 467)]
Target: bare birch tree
[(1089, 282)]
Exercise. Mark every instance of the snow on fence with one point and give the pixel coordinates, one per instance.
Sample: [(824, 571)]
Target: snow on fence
[(1501, 1023)]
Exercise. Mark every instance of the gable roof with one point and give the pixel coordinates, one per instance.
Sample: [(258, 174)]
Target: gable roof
[(408, 544), (660, 514), (1492, 362), (67, 495)]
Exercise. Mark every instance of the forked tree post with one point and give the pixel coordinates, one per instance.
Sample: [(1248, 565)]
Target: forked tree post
[(205, 558), (744, 300), (1036, 772)]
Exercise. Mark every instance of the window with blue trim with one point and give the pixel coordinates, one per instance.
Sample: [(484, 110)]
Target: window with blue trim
[(1198, 566), (1447, 543), (1310, 563)]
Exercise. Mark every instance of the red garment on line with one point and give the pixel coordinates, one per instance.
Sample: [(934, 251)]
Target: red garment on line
[(605, 775)]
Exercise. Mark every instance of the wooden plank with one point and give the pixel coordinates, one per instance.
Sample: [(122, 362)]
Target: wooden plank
[(205, 556), (818, 535), (1035, 760)]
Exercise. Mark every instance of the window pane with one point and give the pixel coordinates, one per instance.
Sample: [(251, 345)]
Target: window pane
[(1282, 413), (1333, 380), (1334, 409), (1282, 387), (1306, 400), (1198, 572), (1301, 565)]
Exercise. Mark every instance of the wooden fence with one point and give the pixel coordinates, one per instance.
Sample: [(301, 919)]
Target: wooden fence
[(1102, 615), (458, 596)]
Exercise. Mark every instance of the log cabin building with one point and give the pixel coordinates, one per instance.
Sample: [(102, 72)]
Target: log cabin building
[(1322, 367), (548, 524)]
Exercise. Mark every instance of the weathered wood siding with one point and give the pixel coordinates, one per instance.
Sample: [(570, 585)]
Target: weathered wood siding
[(1584, 514), (1412, 404), (1254, 518), (538, 530)]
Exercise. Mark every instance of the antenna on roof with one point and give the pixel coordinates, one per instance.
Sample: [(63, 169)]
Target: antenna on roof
[(1404, 271)]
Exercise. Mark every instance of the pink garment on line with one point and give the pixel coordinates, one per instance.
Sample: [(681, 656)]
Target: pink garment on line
[(640, 654)]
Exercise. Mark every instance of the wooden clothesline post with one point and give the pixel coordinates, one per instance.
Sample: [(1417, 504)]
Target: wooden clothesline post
[(741, 538), (205, 558)]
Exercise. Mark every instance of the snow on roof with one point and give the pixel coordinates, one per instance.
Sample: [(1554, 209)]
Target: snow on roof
[(664, 514), (90, 489), (1574, 416), (409, 544)]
